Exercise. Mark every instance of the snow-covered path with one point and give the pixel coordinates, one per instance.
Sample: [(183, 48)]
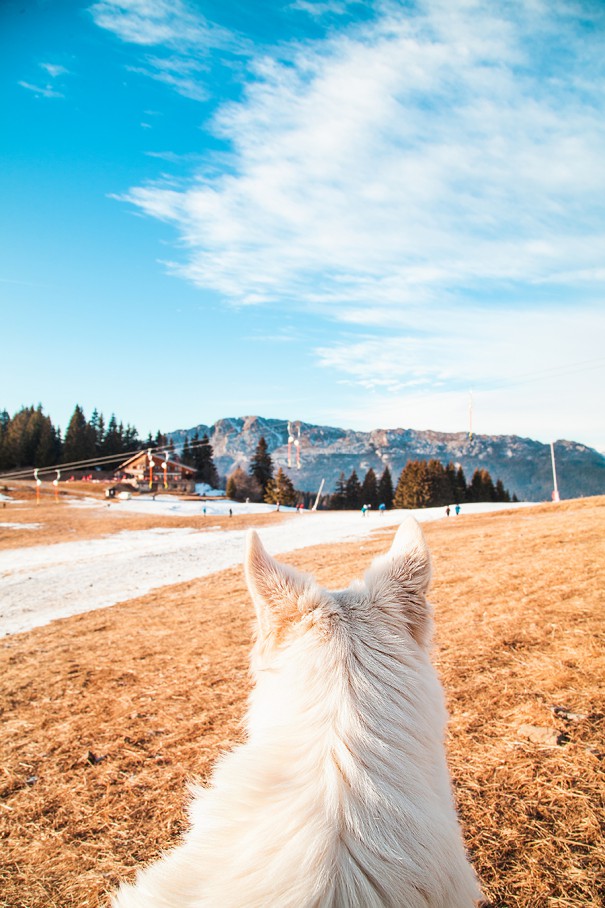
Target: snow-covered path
[(41, 583)]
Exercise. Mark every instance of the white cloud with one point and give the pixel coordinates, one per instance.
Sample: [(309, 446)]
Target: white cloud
[(50, 89), (179, 75), (45, 91), (535, 373), (54, 69), (419, 155), (153, 22), (436, 171), (319, 8), (175, 27), (478, 346)]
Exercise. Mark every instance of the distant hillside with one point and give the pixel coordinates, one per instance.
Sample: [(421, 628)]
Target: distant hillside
[(523, 465)]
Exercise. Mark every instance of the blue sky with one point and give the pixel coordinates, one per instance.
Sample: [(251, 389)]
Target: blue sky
[(344, 213)]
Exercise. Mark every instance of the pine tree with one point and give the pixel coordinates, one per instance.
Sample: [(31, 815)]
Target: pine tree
[(461, 486), (97, 424), (338, 501), (481, 487), (29, 439), (281, 490), (112, 442), (413, 488), (385, 489), (456, 483), (194, 453), (261, 465), (80, 439), (369, 489), (131, 441), (187, 454), (439, 484), (353, 491), (48, 448), (204, 463), (502, 494)]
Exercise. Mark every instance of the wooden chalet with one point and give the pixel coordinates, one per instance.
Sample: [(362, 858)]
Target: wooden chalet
[(148, 470)]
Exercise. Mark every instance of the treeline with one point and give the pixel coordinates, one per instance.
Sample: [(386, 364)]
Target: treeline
[(421, 484), (29, 439)]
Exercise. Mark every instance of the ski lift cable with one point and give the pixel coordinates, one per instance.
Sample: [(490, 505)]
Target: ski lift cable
[(554, 371), (107, 459)]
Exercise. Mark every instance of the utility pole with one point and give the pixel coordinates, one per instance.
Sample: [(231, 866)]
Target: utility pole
[(555, 494), (314, 508)]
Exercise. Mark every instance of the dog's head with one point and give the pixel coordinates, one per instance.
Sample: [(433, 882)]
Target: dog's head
[(392, 593)]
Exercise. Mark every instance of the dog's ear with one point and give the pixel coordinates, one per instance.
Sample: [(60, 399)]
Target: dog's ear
[(398, 581), (280, 593)]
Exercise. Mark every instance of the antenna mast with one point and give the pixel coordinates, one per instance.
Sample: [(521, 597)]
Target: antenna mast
[(555, 493)]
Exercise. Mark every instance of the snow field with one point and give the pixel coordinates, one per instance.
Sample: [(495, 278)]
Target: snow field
[(39, 584)]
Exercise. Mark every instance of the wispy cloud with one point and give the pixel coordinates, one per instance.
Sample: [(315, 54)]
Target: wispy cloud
[(183, 35), (54, 69), (318, 8), (43, 91), (170, 23), (440, 347), (181, 75), (51, 89)]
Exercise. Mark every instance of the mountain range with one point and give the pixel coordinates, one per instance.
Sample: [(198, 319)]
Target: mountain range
[(523, 464)]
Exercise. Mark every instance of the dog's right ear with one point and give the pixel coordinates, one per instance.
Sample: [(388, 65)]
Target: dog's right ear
[(398, 581), (280, 593)]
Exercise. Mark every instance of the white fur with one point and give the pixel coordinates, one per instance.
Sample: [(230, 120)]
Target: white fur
[(340, 797)]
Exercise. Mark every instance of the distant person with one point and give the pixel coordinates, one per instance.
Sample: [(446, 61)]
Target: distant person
[(447, 511), (457, 509), (230, 513), (363, 510), (382, 508)]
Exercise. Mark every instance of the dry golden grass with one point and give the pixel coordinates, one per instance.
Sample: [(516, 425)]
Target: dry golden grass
[(107, 715)]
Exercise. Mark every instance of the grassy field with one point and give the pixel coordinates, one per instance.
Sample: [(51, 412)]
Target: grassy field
[(107, 715)]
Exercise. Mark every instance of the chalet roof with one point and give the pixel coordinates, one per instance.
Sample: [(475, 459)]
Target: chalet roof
[(158, 462)]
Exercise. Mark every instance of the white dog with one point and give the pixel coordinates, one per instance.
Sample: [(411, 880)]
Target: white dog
[(340, 797)]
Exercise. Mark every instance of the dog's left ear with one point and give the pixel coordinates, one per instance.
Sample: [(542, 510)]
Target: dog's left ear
[(280, 593), (400, 579)]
